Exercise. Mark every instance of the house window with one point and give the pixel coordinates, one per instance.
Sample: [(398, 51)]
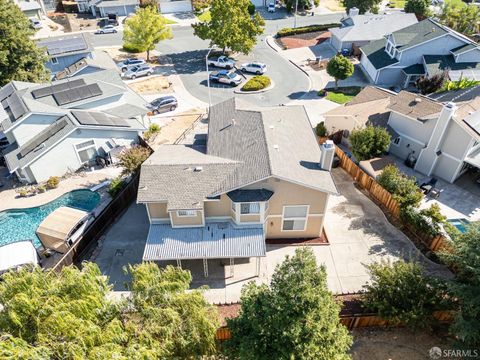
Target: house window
[(250, 208), (397, 140), (186, 213), (295, 218), (54, 60), (86, 151)]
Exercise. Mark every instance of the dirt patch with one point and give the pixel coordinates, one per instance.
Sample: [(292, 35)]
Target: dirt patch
[(118, 54), (79, 22), (394, 344), (62, 20), (333, 5), (154, 85), (304, 40)]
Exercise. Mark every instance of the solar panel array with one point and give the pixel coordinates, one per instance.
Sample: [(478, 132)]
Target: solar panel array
[(98, 119), (77, 94), (66, 45), (44, 136), (16, 105), (50, 90), (473, 122)]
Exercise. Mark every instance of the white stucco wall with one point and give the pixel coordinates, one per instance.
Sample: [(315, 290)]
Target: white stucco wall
[(391, 76), (445, 168), (418, 130), (31, 126), (167, 7), (63, 157), (456, 141)]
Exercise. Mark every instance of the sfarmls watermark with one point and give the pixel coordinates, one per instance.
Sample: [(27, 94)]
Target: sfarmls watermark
[(437, 353)]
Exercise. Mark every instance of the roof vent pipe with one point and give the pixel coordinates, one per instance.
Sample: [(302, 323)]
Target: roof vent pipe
[(353, 12)]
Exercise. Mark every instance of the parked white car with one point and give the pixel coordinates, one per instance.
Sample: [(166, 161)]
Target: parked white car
[(222, 62), (108, 29), (254, 68), (138, 71), (271, 7)]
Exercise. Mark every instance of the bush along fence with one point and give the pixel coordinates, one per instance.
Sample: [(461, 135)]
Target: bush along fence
[(390, 205), (305, 29)]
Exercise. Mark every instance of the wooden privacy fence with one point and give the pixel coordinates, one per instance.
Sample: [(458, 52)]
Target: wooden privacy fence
[(387, 202), (93, 232)]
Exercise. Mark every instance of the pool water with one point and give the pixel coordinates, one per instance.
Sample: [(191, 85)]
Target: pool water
[(460, 224), (21, 224)]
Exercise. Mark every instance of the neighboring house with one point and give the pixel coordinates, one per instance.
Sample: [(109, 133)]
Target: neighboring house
[(443, 139), (56, 128), (117, 7), (359, 30), (173, 6), (261, 175), (425, 48), (99, 61), (64, 51), (32, 8)]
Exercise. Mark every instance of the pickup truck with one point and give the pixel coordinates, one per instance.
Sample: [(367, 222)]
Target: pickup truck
[(222, 62), (226, 77)]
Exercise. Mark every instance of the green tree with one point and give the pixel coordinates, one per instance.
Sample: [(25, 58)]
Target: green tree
[(321, 129), (421, 8), (369, 142), (295, 318), (69, 316), (464, 257), (340, 68), (460, 16), (402, 187), (401, 293), (145, 30), (231, 26), (131, 159), (363, 5), (434, 83), (20, 57)]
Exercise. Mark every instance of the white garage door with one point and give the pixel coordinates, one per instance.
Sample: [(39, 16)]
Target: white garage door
[(168, 7), (259, 3)]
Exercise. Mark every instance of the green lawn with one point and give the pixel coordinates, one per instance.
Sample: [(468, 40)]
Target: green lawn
[(342, 95), (170, 21), (205, 16), (399, 4)]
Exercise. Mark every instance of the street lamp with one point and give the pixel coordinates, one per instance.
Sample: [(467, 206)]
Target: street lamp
[(295, 14), (208, 80)]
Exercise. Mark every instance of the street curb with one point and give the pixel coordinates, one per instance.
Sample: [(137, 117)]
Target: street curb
[(274, 47), (272, 85)]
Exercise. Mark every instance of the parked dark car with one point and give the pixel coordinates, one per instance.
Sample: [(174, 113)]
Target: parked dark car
[(163, 104)]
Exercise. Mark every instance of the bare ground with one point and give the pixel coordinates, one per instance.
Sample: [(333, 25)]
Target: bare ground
[(394, 344), (152, 85)]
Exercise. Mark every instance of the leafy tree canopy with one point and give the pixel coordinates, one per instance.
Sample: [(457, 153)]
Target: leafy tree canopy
[(69, 316), (295, 318), (340, 68), (131, 159), (20, 57), (231, 26), (402, 187), (401, 293), (369, 142), (145, 30), (464, 257), (460, 16), (363, 5), (421, 8), (434, 83)]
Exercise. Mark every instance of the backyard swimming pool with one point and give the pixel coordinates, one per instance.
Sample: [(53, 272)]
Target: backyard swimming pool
[(460, 224), (21, 224)]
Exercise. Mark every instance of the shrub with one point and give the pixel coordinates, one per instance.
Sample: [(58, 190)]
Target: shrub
[(460, 84), (154, 128), (200, 5), (322, 92), (115, 186), (369, 142), (422, 220), (402, 187), (257, 82), (399, 292), (428, 85), (131, 159), (23, 192), (321, 129), (251, 9), (305, 29), (53, 182), (131, 48), (41, 188)]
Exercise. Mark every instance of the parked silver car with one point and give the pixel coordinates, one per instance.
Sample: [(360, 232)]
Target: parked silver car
[(163, 104), (138, 71), (109, 29), (129, 63)]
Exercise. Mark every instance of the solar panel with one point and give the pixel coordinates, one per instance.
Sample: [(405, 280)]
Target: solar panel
[(76, 94), (98, 119), (50, 90), (17, 107), (44, 136), (67, 45)]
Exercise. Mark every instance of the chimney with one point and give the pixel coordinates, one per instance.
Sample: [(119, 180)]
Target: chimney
[(328, 152), (353, 12)]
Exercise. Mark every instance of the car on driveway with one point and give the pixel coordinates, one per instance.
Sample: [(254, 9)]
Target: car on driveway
[(222, 62), (128, 63), (163, 104), (226, 77), (108, 29), (138, 71), (254, 68), (271, 7), (35, 23)]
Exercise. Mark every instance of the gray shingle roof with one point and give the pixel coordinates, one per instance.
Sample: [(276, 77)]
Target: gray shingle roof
[(375, 51), (372, 27), (415, 69), (67, 45), (438, 63), (418, 33), (463, 48), (415, 106)]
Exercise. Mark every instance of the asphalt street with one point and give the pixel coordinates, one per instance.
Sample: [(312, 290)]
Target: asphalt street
[(187, 54)]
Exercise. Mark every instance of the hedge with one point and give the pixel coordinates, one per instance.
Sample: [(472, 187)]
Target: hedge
[(305, 29), (258, 82)]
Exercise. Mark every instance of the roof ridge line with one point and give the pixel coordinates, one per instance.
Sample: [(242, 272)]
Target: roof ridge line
[(266, 144)]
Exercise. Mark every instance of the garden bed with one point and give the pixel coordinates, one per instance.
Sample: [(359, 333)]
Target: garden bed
[(256, 84)]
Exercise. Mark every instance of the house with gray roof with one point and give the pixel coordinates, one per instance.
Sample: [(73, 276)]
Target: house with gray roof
[(117, 7), (32, 8), (423, 49), (260, 174), (62, 126), (359, 30), (441, 138)]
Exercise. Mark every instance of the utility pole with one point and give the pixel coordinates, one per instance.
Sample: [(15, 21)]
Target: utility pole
[(208, 80), (295, 15)]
